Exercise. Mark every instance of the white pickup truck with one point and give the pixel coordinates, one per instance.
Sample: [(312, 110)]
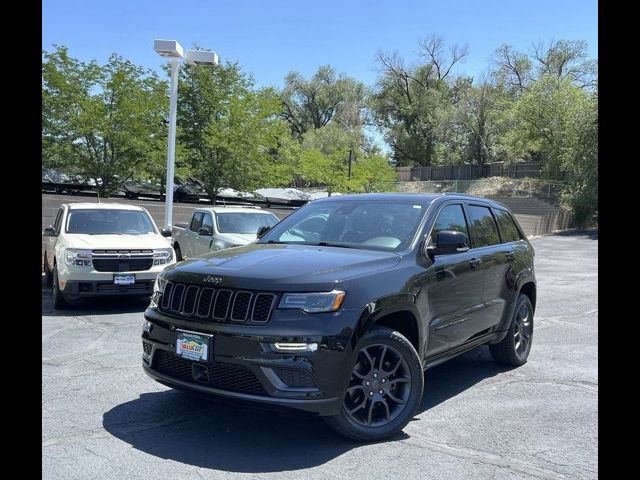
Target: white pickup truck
[(96, 249), (217, 228)]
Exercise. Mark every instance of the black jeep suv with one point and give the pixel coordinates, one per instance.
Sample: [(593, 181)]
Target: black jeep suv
[(340, 307)]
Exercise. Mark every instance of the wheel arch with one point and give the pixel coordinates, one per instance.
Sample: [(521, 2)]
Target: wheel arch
[(401, 316)]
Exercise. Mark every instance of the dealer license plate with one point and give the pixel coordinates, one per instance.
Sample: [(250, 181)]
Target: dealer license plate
[(124, 279), (192, 346)]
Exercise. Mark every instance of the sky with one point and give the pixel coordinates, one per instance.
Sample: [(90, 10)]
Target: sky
[(271, 38)]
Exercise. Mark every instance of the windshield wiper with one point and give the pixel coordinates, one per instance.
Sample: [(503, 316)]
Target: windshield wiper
[(329, 244)]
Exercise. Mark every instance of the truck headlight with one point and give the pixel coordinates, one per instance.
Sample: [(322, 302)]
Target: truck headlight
[(162, 256), (77, 257), (313, 302)]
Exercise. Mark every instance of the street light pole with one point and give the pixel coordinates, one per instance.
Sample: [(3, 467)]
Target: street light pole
[(172, 50), (171, 151)]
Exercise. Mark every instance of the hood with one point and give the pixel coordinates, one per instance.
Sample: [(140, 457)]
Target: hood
[(125, 242), (281, 267), (237, 238)]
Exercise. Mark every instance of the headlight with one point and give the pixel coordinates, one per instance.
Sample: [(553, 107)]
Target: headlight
[(312, 302), (162, 256), (77, 257)]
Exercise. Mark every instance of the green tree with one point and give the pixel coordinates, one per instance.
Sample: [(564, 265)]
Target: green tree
[(326, 96), (373, 173), (229, 130), (97, 121), (413, 105)]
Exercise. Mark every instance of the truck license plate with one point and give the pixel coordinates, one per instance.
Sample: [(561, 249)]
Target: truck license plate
[(124, 279)]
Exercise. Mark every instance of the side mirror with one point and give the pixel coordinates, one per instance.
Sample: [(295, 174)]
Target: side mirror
[(49, 232), (166, 232), (206, 231), (262, 230), (448, 242)]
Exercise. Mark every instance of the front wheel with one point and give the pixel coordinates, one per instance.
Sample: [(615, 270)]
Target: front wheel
[(178, 253), (515, 346), (59, 300), (384, 390)]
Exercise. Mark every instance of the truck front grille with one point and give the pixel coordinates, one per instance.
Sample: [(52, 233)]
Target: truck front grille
[(220, 305), (122, 265)]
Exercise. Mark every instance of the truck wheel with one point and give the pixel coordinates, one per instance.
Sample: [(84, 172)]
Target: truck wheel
[(515, 346), (47, 272), (178, 253), (384, 390), (59, 300)]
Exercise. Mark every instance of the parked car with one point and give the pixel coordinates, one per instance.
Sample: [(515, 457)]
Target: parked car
[(341, 307), (96, 249), (217, 228)]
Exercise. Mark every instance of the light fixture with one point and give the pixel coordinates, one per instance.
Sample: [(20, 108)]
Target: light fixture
[(201, 57), (168, 48)]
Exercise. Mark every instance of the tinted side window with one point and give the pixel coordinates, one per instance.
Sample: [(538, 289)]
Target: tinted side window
[(450, 217), (508, 228), (56, 224), (484, 230), (196, 221)]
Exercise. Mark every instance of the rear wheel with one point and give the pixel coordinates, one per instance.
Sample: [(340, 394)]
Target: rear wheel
[(178, 253), (59, 300), (384, 390), (515, 346)]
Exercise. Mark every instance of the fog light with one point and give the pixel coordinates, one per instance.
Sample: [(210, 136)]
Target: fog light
[(146, 327), (295, 347)]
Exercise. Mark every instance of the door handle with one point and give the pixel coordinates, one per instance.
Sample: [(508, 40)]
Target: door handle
[(474, 262)]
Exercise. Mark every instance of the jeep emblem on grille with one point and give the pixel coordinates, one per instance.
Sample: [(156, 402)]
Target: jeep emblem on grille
[(126, 255), (212, 279)]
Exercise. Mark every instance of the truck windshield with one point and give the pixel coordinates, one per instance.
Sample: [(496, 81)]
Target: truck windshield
[(242, 222), (369, 224), (109, 222)]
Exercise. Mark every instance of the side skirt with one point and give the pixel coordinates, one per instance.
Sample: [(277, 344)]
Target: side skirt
[(454, 352)]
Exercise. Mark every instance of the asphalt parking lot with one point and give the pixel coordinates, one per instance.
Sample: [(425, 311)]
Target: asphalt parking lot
[(103, 418)]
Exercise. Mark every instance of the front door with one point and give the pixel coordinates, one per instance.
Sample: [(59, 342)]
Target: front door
[(450, 287), (202, 243)]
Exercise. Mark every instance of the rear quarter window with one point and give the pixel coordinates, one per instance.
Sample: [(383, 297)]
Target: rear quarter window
[(508, 228)]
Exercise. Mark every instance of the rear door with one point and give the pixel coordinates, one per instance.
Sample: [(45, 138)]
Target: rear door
[(492, 264), (516, 252), (450, 288)]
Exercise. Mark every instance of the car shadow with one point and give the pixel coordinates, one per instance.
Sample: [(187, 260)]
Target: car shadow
[(234, 437), (93, 306)]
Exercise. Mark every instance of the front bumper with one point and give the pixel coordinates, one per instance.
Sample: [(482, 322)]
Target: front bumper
[(244, 365), (79, 282), (94, 288)]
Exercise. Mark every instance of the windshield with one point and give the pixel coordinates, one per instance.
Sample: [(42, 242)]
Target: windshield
[(376, 225), (243, 222), (110, 222)]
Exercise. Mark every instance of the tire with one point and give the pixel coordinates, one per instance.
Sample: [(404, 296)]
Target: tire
[(367, 415), (178, 253), (59, 300), (514, 348), (47, 272)]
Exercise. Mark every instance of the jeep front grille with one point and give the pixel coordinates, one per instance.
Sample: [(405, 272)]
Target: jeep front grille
[(217, 304)]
